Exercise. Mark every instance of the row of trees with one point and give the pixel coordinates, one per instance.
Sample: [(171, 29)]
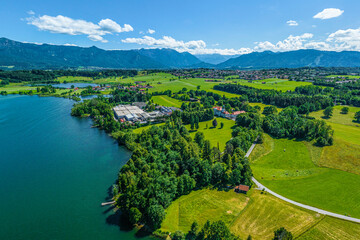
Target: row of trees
[(219, 231)]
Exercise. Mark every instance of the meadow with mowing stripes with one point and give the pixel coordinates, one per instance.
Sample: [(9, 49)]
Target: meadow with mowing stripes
[(201, 206), (257, 214), (164, 100)]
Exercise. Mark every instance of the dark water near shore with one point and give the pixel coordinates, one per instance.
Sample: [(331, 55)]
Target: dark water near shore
[(54, 172)]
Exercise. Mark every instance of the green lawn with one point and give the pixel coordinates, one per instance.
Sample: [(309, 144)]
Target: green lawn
[(166, 101), (273, 83), (215, 135), (294, 175)]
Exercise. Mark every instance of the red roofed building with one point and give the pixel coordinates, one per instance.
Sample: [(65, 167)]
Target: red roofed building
[(241, 188)]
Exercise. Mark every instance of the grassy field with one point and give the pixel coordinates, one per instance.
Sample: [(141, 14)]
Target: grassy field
[(273, 83), (14, 88), (294, 174), (345, 152), (332, 229), (203, 205), (215, 135), (253, 214), (166, 101), (348, 76)]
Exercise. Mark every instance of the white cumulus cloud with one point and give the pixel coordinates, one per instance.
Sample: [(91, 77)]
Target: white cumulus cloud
[(289, 44), (151, 31), (348, 39), (292, 23), (194, 46), (328, 13), (66, 25)]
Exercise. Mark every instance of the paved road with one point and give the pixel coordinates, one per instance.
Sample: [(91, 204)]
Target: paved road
[(260, 186)]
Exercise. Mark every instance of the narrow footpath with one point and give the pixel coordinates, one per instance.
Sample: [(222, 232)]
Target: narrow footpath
[(260, 186)]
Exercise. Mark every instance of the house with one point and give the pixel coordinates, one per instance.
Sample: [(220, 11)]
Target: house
[(221, 112), (241, 188)]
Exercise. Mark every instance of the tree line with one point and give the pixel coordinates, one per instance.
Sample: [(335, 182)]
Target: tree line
[(278, 98)]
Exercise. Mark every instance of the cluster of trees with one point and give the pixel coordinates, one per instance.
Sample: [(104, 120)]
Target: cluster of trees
[(278, 98), (45, 76), (288, 123), (100, 110), (120, 96), (167, 163), (193, 112)]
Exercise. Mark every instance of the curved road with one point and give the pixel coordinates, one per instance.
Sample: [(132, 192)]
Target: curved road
[(296, 203)]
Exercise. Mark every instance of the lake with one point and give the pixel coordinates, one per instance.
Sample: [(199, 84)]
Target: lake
[(55, 170)]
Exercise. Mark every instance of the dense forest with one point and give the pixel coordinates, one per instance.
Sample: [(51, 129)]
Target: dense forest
[(167, 163)]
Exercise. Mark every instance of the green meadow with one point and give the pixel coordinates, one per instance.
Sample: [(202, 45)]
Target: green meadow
[(289, 167), (273, 83), (345, 152)]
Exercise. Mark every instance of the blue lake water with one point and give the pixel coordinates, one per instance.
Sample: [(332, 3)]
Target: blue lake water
[(55, 170)]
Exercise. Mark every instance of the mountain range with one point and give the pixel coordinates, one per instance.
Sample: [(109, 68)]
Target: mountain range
[(18, 55)]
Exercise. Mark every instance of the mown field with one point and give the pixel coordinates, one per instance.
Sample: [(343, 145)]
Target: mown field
[(332, 228), (273, 83), (166, 101), (289, 167), (255, 214), (215, 135)]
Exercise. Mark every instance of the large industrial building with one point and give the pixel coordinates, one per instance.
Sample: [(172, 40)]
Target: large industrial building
[(134, 113), (130, 113)]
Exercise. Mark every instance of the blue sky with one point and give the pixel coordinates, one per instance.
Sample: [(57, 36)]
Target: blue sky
[(197, 26)]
